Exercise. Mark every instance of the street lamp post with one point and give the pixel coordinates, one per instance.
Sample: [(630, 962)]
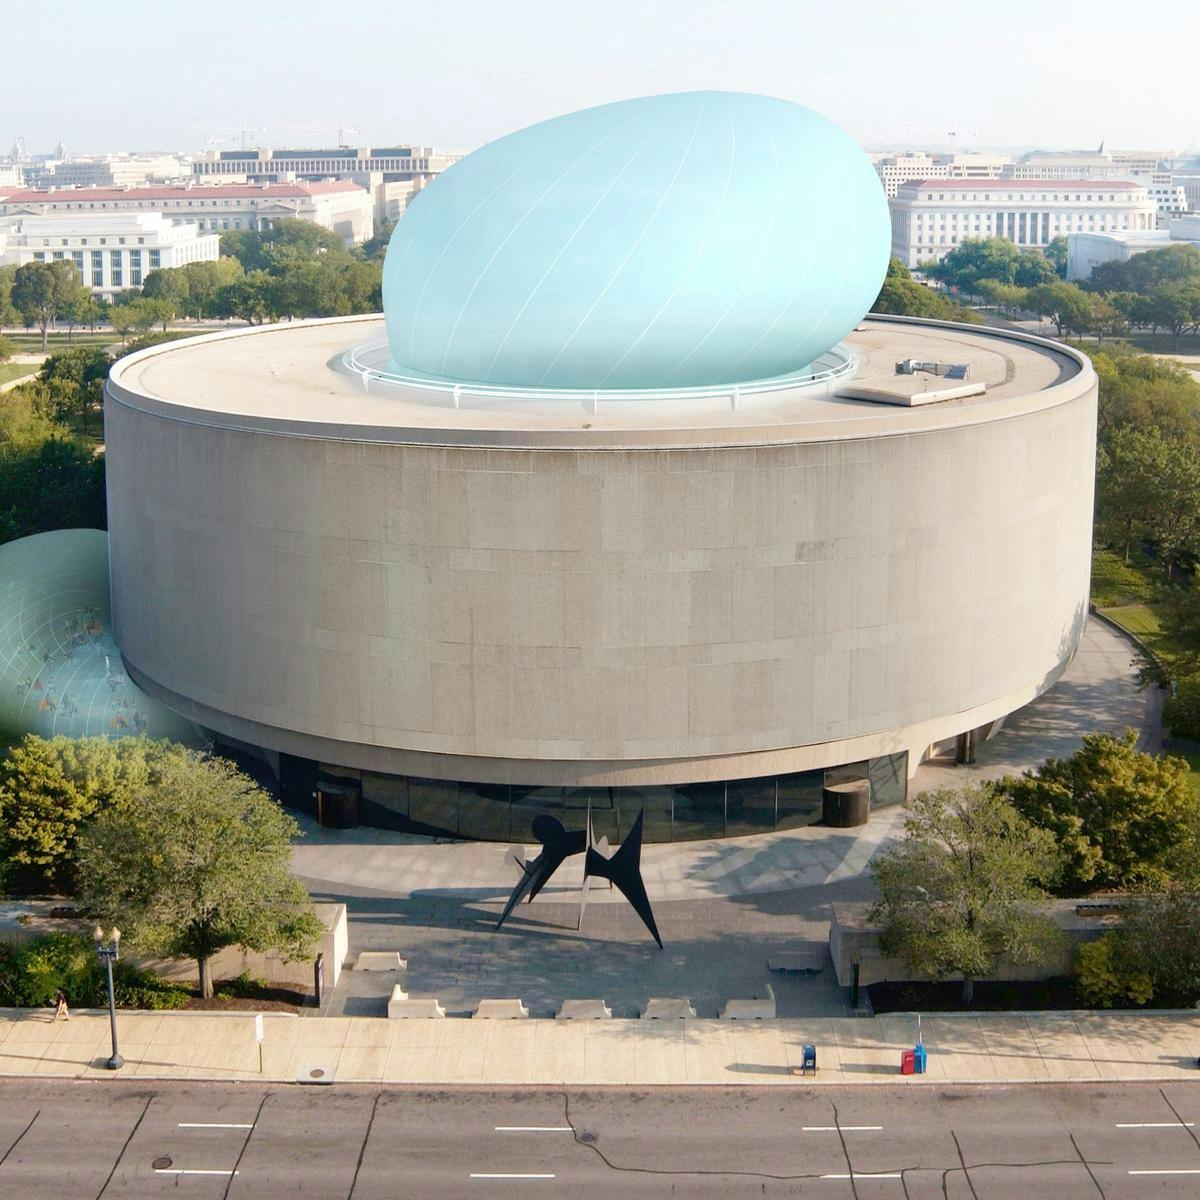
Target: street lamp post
[(108, 952)]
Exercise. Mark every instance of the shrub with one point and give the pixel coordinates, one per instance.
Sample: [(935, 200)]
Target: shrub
[(29, 977), (1181, 712), (1104, 977), (243, 985)]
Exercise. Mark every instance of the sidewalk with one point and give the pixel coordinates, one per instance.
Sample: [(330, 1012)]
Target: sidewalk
[(984, 1048)]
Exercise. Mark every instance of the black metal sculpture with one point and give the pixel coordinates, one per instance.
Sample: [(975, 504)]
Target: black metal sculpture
[(623, 869)]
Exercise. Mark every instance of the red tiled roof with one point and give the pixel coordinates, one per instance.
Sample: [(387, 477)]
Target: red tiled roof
[(1023, 185), (221, 191)]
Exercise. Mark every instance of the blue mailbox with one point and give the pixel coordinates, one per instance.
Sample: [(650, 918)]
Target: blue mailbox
[(809, 1061), (919, 1059)]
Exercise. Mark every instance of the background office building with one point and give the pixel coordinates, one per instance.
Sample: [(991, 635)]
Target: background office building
[(337, 205), (930, 217), (112, 251)]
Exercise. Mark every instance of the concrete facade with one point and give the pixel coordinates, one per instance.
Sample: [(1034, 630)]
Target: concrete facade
[(599, 599)]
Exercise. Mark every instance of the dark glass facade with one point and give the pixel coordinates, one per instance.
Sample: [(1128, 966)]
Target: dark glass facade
[(505, 813)]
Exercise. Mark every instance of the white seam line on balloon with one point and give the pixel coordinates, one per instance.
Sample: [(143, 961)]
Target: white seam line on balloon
[(814, 242), (529, 212), (624, 262), (690, 267), (523, 166), (664, 381)]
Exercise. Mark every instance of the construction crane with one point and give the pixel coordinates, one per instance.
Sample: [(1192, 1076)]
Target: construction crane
[(343, 130), (244, 132)]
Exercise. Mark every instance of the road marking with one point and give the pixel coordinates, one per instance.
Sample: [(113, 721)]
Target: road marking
[(178, 1171), (866, 1175), (214, 1125), (840, 1128), (534, 1129), (502, 1175), (1155, 1124), (1170, 1171)]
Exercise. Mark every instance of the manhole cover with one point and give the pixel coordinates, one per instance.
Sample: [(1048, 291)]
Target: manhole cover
[(317, 1073), (587, 1137), (162, 1163)]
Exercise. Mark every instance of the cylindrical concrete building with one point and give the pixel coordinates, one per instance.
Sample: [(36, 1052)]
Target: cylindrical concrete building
[(477, 604)]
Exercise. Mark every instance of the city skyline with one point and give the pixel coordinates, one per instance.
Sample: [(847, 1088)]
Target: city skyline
[(459, 78)]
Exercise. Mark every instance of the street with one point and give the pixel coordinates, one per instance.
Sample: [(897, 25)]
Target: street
[(118, 1139)]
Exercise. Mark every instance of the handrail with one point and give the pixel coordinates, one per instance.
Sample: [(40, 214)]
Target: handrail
[(358, 362)]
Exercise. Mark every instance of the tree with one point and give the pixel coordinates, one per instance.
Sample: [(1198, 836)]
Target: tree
[(198, 862), (168, 286), (1145, 272), (8, 348), (375, 247), (902, 295), (122, 319), (8, 314), (53, 484), (1122, 818), (1032, 269), (76, 380), (961, 891), (1159, 939), (1005, 296), (51, 788), (1066, 304), (975, 259), (1143, 391), (42, 290), (1056, 253)]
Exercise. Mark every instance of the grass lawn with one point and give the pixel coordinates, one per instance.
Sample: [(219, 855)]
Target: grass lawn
[(11, 371), (1139, 619), (1116, 582), (31, 343)]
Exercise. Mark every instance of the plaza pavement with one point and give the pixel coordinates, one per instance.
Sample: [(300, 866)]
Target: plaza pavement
[(989, 1048)]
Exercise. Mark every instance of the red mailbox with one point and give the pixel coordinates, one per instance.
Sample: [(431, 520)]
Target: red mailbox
[(908, 1063)]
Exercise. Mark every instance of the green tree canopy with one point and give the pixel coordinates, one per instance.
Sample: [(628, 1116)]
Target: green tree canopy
[(42, 290), (1123, 818), (200, 861), (50, 789), (961, 891), (1145, 272), (903, 296), (1066, 304), (55, 484)]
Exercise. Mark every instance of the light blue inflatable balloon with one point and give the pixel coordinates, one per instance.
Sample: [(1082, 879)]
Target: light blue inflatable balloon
[(672, 241)]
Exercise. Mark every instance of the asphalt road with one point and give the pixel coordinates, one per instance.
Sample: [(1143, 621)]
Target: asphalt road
[(118, 1139)]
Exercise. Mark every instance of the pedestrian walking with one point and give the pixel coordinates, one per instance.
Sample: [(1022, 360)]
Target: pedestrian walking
[(60, 1006)]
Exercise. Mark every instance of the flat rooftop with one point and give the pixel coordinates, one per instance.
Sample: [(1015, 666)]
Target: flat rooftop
[(289, 379)]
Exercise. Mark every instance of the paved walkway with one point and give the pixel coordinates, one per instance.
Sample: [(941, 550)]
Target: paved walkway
[(1099, 691), (1040, 1047)]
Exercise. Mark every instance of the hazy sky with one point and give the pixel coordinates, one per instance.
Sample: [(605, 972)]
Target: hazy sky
[(135, 74)]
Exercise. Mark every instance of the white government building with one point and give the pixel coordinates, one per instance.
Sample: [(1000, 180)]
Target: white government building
[(338, 205), (1087, 251), (111, 251), (932, 216)]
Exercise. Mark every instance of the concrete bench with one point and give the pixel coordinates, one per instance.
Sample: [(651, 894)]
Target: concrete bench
[(501, 1010), (750, 1010), (380, 960), (402, 1005), (667, 1008), (584, 1010)]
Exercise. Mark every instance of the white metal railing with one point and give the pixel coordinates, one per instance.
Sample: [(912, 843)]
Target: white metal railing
[(362, 361)]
